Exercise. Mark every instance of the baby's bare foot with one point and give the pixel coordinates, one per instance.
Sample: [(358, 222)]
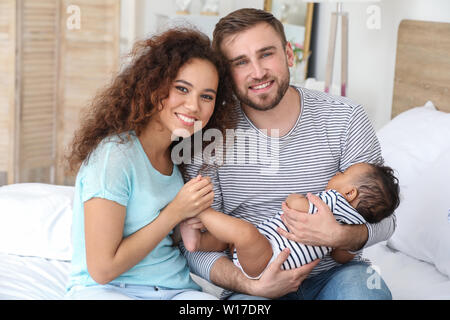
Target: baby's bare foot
[(191, 237)]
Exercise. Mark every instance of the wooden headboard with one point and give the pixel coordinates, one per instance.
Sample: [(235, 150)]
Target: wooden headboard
[(422, 68)]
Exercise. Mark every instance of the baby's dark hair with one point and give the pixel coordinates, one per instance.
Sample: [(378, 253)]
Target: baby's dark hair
[(379, 193)]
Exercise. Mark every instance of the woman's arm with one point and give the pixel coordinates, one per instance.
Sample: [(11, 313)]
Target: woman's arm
[(108, 254)]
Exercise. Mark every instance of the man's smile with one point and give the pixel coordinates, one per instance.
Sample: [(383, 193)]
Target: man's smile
[(262, 87)]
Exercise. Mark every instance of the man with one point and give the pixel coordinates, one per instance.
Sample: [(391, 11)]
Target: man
[(316, 135)]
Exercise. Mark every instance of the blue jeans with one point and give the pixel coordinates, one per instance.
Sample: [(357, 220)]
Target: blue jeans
[(350, 281)]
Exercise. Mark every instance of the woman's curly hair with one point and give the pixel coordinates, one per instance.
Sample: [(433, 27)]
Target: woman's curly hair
[(135, 94)]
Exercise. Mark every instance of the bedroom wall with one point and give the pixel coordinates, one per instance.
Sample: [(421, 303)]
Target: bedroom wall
[(372, 51), (146, 22), (139, 17)]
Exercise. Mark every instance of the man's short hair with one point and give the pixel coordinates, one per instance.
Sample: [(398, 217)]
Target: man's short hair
[(243, 19)]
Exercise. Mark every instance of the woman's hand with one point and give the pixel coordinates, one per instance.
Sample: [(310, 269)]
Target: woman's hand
[(194, 197)]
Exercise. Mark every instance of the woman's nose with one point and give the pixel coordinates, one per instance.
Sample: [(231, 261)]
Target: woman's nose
[(192, 103)]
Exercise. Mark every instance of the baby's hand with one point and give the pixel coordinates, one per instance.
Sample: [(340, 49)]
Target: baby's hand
[(191, 235)]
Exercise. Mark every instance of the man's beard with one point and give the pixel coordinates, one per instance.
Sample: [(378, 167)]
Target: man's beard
[(268, 105)]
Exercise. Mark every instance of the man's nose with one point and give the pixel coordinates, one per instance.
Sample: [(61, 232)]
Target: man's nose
[(258, 70)]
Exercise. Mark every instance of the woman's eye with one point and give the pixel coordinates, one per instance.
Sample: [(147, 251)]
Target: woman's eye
[(207, 97), (182, 89)]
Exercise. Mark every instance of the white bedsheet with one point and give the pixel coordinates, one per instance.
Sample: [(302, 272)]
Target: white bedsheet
[(32, 278), (407, 277)]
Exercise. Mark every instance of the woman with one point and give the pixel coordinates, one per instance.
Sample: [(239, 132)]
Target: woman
[(129, 195)]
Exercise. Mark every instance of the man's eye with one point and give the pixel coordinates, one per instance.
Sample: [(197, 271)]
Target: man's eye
[(266, 54), (240, 63)]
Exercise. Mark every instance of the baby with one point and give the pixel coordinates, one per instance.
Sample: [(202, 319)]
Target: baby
[(362, 193)]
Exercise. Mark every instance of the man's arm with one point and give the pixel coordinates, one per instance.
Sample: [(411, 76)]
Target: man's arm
[(380, 231), (352, 237), (356, 237), (275, 282), (216, 267), (347, 237), (359, 144), (321, 228)]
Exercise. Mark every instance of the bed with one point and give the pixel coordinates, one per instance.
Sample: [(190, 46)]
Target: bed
[(415, 261), (35, 219)]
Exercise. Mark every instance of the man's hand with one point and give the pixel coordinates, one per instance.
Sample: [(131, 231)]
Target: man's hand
[(275, 282), (319, 229)]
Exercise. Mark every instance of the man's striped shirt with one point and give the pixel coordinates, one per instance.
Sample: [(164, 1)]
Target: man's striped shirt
[(330, 134), (303, 254)]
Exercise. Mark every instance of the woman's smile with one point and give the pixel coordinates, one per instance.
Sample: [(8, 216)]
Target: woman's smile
[(185, 119)]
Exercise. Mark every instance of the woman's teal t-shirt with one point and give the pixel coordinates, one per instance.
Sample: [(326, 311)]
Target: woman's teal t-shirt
[(119, 170)]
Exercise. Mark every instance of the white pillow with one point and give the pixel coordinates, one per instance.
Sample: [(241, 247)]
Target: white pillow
[(36, 220), (416, 144), (413, 140), (423, 217)]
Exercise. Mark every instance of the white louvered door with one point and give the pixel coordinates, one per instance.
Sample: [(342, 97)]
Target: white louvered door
[(89, 59), (48, 73), (38, 26), (7, 89)]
